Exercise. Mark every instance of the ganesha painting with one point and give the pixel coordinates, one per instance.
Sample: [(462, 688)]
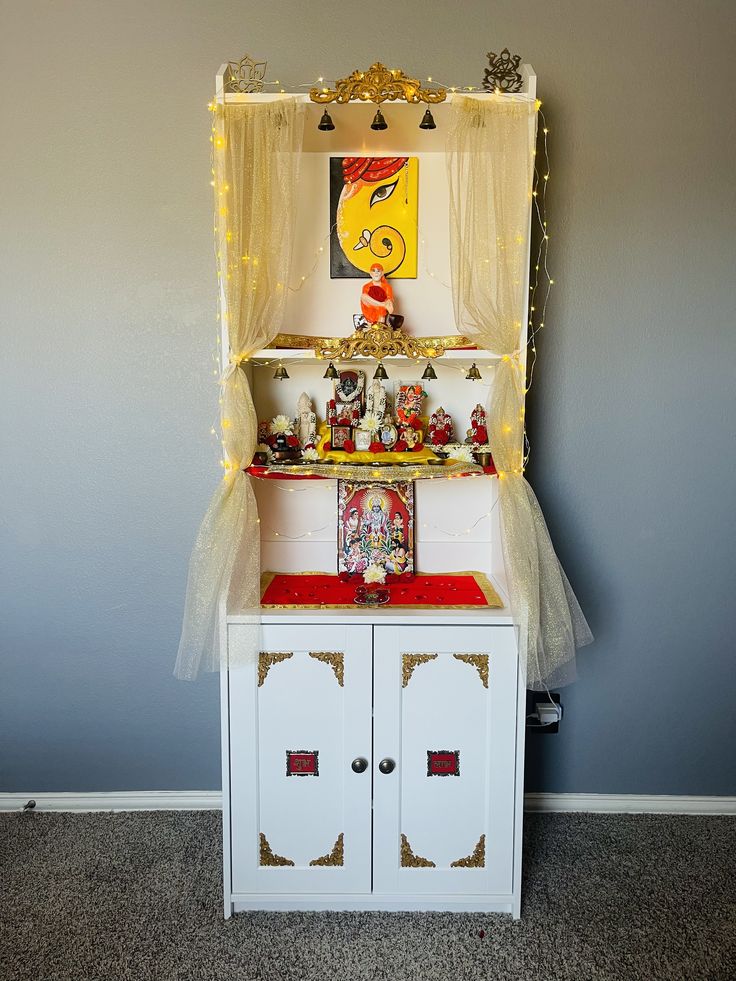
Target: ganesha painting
[(373, 216)]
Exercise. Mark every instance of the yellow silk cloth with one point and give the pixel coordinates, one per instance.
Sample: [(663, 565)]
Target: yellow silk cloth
[(365, 456)]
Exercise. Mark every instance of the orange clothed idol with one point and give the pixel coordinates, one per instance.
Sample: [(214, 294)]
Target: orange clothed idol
[(377, 296)]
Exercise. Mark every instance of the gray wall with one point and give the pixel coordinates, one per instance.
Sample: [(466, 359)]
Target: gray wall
[(108, 324)]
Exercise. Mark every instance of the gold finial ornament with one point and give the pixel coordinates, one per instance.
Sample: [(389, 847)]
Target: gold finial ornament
[(378, 84), (245, 75)]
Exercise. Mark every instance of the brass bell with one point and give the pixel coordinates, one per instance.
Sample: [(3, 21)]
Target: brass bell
[(378, 121), (325, 123), (380, 372), (281, 373), (428, 121), (331, 372), (473, 373), (429, 373)]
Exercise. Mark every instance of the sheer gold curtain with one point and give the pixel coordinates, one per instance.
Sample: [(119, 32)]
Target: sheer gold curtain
[(490, 169), (257, 148)]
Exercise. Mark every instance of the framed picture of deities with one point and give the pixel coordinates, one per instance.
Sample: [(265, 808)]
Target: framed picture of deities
[(339, 435), (375, 527), (363, 440)]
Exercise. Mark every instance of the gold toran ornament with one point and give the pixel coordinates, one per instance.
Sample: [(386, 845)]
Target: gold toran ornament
[(378, 84)]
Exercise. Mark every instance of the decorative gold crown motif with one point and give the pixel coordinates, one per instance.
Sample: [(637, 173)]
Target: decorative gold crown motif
[(378, 84), (245, 75)]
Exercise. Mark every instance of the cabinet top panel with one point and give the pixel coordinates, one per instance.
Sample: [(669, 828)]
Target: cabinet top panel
[(485, 617)]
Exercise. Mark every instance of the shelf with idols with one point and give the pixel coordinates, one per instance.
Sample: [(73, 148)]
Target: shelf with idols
[(329, 407)]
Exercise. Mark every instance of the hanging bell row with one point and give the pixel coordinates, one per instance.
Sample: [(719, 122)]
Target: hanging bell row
[(379, 121)]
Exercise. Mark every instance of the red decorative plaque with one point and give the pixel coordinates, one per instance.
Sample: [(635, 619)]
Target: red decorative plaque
[(443, 762), (302, 763)]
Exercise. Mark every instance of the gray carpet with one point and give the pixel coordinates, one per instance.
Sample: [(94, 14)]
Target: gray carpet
[(137, 896)]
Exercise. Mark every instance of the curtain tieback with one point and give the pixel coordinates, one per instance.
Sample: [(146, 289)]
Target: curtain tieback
[(514, 356), (234, 361)]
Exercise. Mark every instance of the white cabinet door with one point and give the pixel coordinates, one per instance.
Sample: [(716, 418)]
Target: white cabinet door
[(300, 714), (445, 714)]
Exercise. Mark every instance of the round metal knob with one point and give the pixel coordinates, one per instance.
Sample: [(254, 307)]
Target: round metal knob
[(359, 765), (386, 766)]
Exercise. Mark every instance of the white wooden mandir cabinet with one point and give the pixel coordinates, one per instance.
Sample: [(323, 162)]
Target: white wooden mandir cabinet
[(373, 758)]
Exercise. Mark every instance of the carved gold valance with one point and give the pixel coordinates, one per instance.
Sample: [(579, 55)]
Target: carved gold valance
[(378, 84), (379, 341)]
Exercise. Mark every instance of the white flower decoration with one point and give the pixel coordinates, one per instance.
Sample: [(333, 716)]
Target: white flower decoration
[(280, 424), (374, 573), (310, 455), (370, 422), (462, 453)]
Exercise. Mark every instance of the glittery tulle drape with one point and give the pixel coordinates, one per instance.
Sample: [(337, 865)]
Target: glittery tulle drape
[(490, 170), (256, 160)]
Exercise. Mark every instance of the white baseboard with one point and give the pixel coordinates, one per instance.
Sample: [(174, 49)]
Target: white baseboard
[(629, 804), (207, 800), (143, 800)]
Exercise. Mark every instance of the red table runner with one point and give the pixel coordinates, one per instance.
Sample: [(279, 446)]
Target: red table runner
[(453, 590)]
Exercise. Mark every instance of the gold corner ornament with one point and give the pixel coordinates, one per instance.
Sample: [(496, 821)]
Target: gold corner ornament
[(334, 858), (479, 662), (476, 859), (266, 661), (335, 661), (245, 75), (411, 661), (268, 857), (411, 861), (378, 84)]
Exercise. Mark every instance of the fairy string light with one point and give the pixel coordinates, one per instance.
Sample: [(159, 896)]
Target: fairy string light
[(542, 281)]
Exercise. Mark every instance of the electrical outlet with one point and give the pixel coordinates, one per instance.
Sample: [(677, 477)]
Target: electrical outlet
[(544, 712), (548, 712)]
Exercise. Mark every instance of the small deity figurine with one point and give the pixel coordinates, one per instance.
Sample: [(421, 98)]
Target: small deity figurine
[(306, 422), (377, 297), (388, 434), (349, 394), (281, 438), (264, 431), (376, 399), (440, 428), (410, 437), (477, 435), (409, 404)]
